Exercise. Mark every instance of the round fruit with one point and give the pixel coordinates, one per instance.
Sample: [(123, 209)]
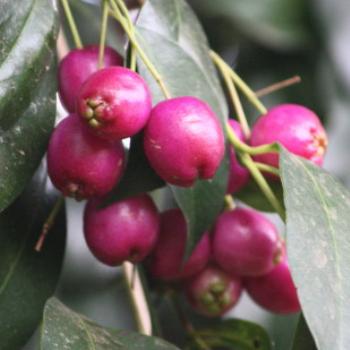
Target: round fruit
[(166, 262), (115, 102), (246, 243), (184, 141), (77, 66), (123, 231), (275, 291), (80, 164), (295, 127), (213, 292), (239, 175)]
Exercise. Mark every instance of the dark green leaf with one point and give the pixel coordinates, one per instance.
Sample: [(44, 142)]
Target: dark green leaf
[(27, 90), (27, 278), (173, 38), (318, 243), (303, 338), (66, 329)]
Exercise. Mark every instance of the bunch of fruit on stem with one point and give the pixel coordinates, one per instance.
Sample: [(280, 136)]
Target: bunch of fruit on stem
[(183, 142)]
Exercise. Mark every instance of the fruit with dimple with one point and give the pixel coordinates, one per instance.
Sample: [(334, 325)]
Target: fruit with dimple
[(166, 262), (295, 127), (77, 66), (80, 164), (246, 243), (213, 292), (184, 141), (115, 102), (123, 231)]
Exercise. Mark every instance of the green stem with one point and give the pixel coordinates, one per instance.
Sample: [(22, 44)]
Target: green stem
[(132, 37), (229, 202), (267, 168), (72, 25), (103, 34)]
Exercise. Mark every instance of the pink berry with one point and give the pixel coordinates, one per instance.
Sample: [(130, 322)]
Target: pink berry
[(246, 243), (166, 262), (275, 291), (123, 231), (239, 175), (77, 66), (295, 127), (184, 141), (115, 102), (213, 292), (80, 164)]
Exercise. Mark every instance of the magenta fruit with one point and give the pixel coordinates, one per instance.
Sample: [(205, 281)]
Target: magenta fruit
[(213, 292), (295, 127), (77, 66), (80, 164), (275, 291), (239, 175), (184, 141), (166, 262), (246, 243), (115, 102), (123, 231)]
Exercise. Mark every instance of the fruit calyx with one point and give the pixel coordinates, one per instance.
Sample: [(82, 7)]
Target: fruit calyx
[(94, 111), (216, 298)]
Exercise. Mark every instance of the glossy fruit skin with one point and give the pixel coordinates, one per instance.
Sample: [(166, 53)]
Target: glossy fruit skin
[(213, 292), (123, 231), (239, 175), (166, 261), (115, 102), (274, 291), (246, 243), (296, 127), (76, 67), (184, 141), (80, 164)]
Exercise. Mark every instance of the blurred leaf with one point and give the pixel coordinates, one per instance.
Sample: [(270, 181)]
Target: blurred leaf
[(66, 329), (303, 338), (27, 278), (318, 244), (28, 31)]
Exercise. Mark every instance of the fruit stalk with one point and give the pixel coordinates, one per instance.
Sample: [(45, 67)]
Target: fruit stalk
[(72, 25), (103, 34)]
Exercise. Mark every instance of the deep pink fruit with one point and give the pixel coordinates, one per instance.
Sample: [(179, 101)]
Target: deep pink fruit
[(80, 164), (166, 261), (213, 292), (275, 291), (295, 127), (76, 67), (239, 175), (124, 231), (246, 243), (184, 141), (115, 102)]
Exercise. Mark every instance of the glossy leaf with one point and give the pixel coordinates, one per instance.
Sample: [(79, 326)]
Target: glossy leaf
[(27, 90), (303, 338), (27, 278), (66, 329), (318, 244)]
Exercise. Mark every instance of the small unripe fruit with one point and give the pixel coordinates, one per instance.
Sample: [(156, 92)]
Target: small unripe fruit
[(297, 128), (115, 102), (166, 262), (77, 66), (184, 141), (275, 291), (123, 231), (239, 175), (213, 292), (246, 243), (80, 164)]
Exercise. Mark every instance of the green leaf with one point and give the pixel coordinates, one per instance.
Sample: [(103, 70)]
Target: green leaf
[(318, 243), (27, 90), (303, 338), (172, 37), (63, 328), (237, 335), (27, 278)]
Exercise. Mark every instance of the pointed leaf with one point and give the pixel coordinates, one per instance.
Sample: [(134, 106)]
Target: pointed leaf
[(303, 338)]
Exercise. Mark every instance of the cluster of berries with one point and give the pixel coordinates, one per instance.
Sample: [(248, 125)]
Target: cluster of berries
[(183, 141)]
